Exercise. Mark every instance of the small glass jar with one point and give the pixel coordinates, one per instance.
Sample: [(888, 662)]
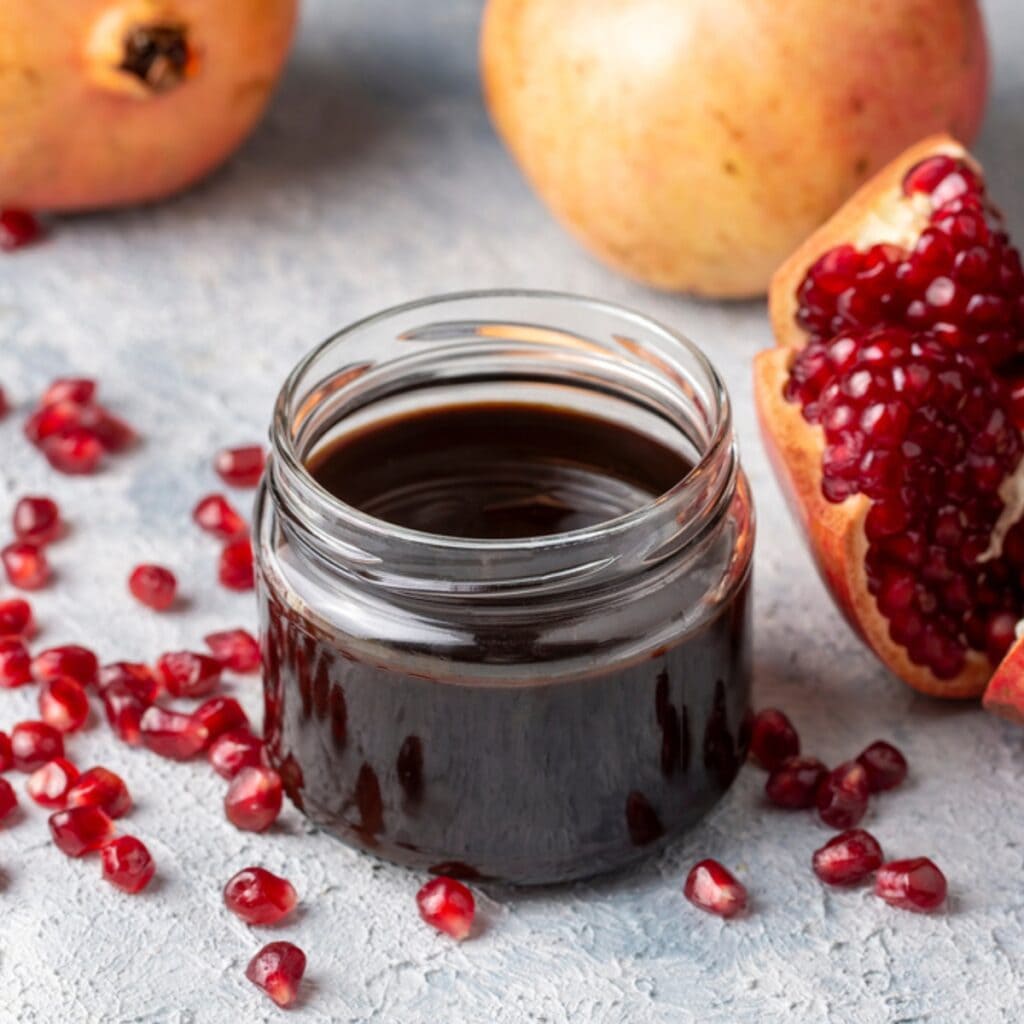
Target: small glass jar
[(530, 710)]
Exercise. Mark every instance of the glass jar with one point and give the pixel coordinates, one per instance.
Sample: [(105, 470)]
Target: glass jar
[(534, 709)]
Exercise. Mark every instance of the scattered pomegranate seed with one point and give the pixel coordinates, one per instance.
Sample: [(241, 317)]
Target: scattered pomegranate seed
[(37, 520), (80, 390), (26, 565), (70, 661), (80, 830), (113, 433), (277, 969), (127, 864), (63, 704), (448, 906), (136, 677), (842, 796), (794, 784), (259, 897), (186, 674), (33, 744), (16, 618), (18, 228), (235, 750), (886, 767), (216, 515), (240, 467), (76, 451), (253, 800), (8, 798), (127, 689), (15, 663), (49, 785), (915, 884), (847, 858), (713, 888), (154, 586), (6, 754), (236, 649), (100, 787), (55, 420), (171, 734), (220, 715), (772, 739), (236, 565)]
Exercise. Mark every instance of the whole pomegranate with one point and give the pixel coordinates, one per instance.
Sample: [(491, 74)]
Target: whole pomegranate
[(105, 102), (694, 143)]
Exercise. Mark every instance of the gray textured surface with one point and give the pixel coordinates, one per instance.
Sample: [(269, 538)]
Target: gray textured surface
[(376, 179)]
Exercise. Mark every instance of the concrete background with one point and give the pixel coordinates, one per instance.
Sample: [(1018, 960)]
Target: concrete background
[(376, 178)]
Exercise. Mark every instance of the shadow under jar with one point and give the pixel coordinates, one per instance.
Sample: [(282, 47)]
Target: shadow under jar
[(503, 551)]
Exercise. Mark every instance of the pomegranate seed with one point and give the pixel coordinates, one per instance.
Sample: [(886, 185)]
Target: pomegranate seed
[(6, 754), (16, 618), (848, 857), (259, 897), (70, 661), (772, 739), (137, 678), (124, 710), (713, 888), (15, 663), (220, 715), (253, 800), (153, 586), (235, 649), (915, 884), (171, 734), (100, 787), (25, 565), (76, 451), (49, 785), (235, 750), (448, 906), (216, 515), (794, 784), (80, 390), (63, 704), (80, 830), (185, 674), (8, 798), (112, 433), (18, 228), (37, 520), (236, 565), (55, 420), (927, 175), (240, 467), (842, 796), (33, 744), (886, 767), (127, 864), (277, 969)]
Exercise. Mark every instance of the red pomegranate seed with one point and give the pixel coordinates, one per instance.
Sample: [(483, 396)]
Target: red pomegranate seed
[(915, 884), (171, 734), (448, 906), (139, 679), (235, 649), (842, 796), (16, 618), (80, 390), (49, 786), (128, 690), (127, 864), (253, 800), (235, 750), (259, 897), (8, 798), (55, 420), (186, 674), (216, 515), (772, 739), (277, 969), (154, 586), (77, 451), (70, 661), (15, 663), (112, 433), (236, 565), (100, 787), (6, 754), (886, 767), (18, 228), (847, 858), (37, 520), (33, 744), (794, 784), (80, 830), (929, 174), (63, 704), (240, 467), (26, 565), (221, 715), (713, 888)]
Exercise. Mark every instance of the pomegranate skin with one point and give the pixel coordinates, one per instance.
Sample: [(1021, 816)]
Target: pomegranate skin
[(78, 131), (694, 145)]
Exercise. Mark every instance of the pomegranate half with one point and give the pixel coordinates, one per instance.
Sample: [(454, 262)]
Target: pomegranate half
[(892, 408)]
